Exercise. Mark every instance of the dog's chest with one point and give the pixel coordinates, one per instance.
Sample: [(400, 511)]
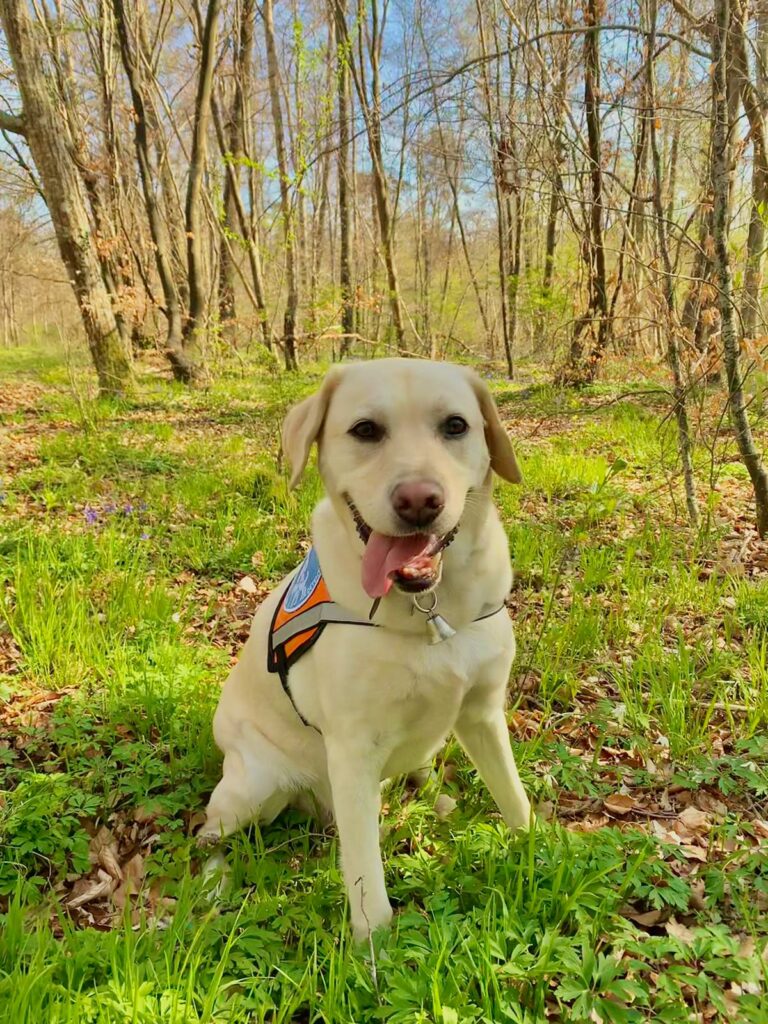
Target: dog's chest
[(430, 681), (404, 695)]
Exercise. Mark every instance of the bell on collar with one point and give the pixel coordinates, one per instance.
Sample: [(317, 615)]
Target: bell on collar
[(438, 629)]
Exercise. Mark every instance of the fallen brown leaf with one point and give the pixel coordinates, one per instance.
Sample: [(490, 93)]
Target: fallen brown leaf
[(133, 873), (102, 886), (619, 803), (693, 852), (695, 819), (646, 919), (103, 851), (679, 931)]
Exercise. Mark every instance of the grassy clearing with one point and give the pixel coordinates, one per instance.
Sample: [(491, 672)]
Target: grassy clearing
[(638, 706)]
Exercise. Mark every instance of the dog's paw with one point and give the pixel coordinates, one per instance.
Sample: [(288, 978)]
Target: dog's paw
[(206, 839)]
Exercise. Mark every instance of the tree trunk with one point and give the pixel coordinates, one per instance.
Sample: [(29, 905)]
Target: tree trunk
[(246, 225), (292, 299), (234, 134), (65, 197), (595, 322), (493, 117), (684, 441), (755, 102), (451, 175), (516, 225), (193, 205), (144, 123), (720, 230), (372, 116), (345, 175), (423, 260), (97, 180)]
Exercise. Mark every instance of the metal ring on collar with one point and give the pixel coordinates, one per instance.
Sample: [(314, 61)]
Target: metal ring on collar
[(426, 611)]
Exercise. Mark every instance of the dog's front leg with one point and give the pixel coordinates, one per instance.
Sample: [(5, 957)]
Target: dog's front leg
[(484, 734), (355, 786)]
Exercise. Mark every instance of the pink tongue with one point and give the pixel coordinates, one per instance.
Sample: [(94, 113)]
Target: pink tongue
[(384, 555)]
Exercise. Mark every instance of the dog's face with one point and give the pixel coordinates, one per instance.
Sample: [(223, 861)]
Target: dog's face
[(402, 444)]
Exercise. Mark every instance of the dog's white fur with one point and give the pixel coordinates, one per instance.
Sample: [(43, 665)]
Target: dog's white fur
[(383, 699)]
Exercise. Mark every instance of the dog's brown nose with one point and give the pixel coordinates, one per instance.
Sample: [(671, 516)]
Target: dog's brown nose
[(418, 502)]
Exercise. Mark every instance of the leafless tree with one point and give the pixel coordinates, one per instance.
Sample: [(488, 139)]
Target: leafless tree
[(43, 124)]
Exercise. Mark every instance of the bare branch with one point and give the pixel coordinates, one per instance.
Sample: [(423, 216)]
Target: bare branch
[(12, 123)]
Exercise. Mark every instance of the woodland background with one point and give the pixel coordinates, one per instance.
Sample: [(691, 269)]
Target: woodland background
[(489, 180)]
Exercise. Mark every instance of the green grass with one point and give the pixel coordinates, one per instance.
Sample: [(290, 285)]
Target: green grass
[(124, 529)]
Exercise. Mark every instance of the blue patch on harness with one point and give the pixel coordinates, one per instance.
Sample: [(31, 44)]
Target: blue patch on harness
[(304, 583)]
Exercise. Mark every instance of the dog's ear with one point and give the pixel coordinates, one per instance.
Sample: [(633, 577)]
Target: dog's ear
[(304, 422), (503, 461)]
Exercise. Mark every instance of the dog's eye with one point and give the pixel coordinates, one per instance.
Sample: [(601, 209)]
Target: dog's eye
[(367, 430), (454, 426)]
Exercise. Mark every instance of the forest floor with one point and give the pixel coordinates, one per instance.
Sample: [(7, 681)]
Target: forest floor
[(136, 541)]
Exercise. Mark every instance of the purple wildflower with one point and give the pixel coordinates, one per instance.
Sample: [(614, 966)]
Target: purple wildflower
[(91, 515), (128, 508), (145, 536)]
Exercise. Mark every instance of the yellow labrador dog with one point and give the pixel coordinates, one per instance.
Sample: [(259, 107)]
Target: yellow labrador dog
[(393, 632)]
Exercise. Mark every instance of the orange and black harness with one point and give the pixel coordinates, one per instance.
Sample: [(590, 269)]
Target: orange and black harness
[(302, 613)]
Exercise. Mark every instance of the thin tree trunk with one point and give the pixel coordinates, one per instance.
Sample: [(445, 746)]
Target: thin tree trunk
[(95, 180), (145, 122), (593, 323), (65, 197), (244, 224), (292, 299), (345, 175), (372, 116), (596, 320), (447, 273), (633, 225), (548, 273), (755, 101), (684, 440), (494, 117), (423, 261), (720, 230), (234, 140), (456, 218), (171, 206), (121, 176), (674, 149), (515, 248), (198, 294)]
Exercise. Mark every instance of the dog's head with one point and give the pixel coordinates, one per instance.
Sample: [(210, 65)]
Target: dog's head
[(402, 442)]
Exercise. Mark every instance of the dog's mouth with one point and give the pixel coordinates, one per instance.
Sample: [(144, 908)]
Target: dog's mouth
[(412, 563)]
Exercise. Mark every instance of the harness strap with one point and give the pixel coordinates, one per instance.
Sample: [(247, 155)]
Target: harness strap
[(319, 614)]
